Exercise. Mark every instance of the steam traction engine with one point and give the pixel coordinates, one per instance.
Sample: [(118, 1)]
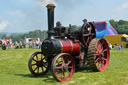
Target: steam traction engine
[(63, 54)]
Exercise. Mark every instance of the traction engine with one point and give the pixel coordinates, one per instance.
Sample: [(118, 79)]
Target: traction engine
[(63, 54)]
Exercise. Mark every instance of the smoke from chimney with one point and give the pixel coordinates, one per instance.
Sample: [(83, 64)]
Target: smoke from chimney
[(46, 2)]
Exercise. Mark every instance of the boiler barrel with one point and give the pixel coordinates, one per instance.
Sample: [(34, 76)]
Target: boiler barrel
[(54, 47), (70, 47)]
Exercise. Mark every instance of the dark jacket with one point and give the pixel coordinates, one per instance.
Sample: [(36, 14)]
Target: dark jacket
[(59, 31)]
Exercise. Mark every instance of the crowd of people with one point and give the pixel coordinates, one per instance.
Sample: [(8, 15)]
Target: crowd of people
[(22, 44), (30, 44), (116, 46), (34, 44)]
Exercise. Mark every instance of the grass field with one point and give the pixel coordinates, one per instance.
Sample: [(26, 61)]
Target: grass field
[(14, 70)]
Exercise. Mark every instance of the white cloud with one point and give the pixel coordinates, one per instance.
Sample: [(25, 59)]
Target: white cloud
[(121, 12), (17, 13), (3, 25), (122, 8), (125, 5)]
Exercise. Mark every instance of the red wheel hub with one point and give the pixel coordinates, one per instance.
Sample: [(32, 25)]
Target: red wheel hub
[(39, 63), (63, 67)]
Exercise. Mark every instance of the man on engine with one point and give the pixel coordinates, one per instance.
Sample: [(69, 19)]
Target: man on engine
[(59, 29), (86, 25)]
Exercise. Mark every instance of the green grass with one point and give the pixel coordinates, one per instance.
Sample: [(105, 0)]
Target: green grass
[(14, 70)]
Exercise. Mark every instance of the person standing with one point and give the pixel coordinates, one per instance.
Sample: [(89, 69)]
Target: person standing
[(86, 25)]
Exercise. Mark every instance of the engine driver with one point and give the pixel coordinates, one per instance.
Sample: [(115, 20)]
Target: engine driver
[(59, 29), (87, 25)]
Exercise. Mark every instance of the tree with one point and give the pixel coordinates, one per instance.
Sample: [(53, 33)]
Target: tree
[(121, 26)]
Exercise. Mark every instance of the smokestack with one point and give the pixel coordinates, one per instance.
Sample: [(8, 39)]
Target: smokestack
[(50, 8)]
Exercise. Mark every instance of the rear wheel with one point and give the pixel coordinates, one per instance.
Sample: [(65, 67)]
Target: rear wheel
[(98, 54), (38, 64), (63, 67)]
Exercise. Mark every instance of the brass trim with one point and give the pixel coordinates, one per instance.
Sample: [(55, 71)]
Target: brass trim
[(49, 6), (71, 45), (61, 46)]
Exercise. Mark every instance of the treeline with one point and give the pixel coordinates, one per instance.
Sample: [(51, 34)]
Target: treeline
[(121, 27), (32, 34)]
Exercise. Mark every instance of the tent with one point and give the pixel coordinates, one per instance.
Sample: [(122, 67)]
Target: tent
[(5, 41), (104, 28)]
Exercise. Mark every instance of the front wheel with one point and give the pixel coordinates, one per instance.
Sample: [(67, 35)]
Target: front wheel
[(63, 67), (38, 64)]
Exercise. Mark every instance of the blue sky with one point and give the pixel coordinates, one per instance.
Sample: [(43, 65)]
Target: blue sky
[(29, 15)]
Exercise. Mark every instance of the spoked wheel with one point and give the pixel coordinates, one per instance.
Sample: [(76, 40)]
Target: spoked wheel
[(38, 64), (88, 33), (98, 54), (63, 67), (3, 47)]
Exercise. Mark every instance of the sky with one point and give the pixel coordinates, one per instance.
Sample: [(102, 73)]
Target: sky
[(29, 15)]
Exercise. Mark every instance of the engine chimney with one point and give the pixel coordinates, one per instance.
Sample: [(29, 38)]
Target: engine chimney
[(50, 8)]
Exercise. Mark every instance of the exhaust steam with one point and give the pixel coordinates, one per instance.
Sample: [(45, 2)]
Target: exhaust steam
[(46, 2)]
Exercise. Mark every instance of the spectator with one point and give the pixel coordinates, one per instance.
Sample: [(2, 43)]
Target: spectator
[(20, 44), (121, 46), (23, 44), (110, 46), (116, 47), (16, 45)]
